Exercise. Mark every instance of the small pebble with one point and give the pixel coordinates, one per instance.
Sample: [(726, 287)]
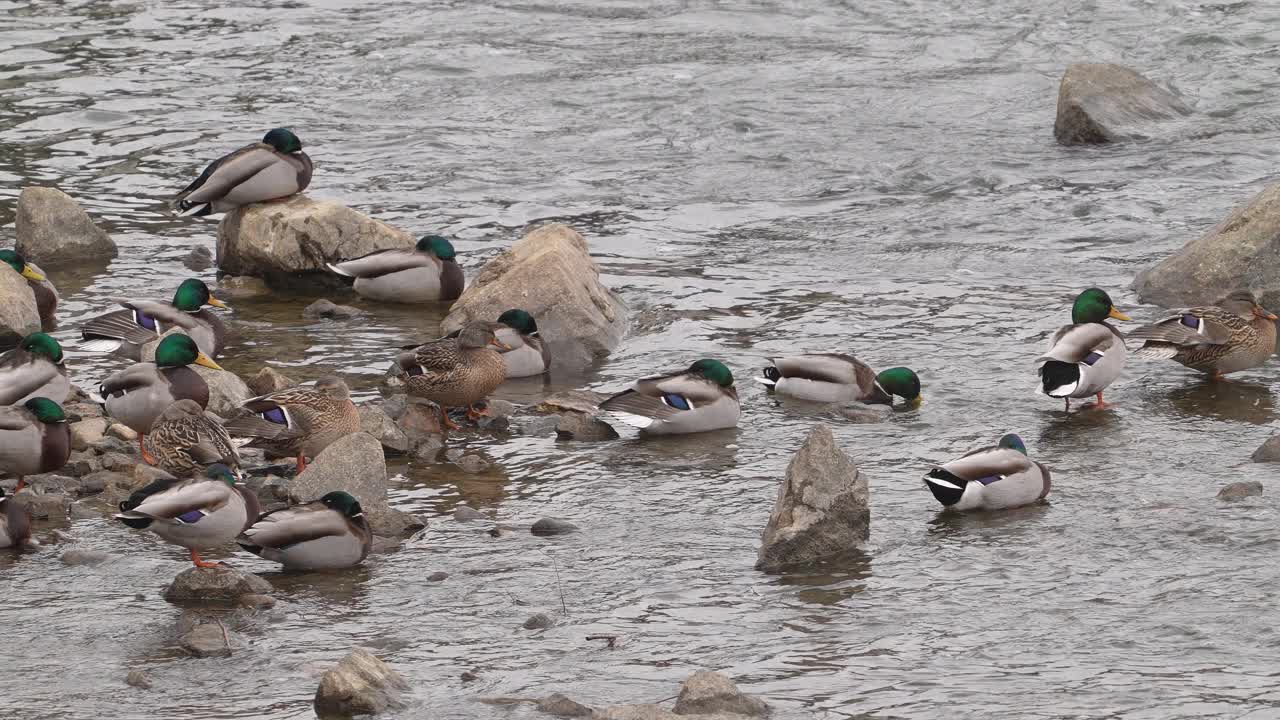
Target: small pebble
[(539, 621), (462, 513), (437, 576), (138, 679), (552, 526)]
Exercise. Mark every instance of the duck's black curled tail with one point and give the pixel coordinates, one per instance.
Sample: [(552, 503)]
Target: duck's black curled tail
[(1059, 379)]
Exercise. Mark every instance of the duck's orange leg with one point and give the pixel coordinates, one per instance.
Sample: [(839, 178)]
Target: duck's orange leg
[(22, 482), (1100, 403), (195, 558), (302, 463), (445, 422), (146, 456), (475, 414)]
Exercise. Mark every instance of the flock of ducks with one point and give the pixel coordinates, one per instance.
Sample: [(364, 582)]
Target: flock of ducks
[(200, 506)]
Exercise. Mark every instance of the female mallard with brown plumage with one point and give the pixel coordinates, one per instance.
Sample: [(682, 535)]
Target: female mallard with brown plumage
[(269, 170), (34, 438), (198, 513), (184, 440), (137, 395), (423, 273), (299, 420), (15, 523), (327, 534), (455, 371), (125, 331), (695, 400), (46, 295), (33, 369), (1237, 334)]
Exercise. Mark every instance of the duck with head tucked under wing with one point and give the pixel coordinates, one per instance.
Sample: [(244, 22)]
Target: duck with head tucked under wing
[(990, 478), (698, 399), (124, 332), (328, 534), (425, 272), (1236, 334), (269, 170), (33, 369), (34, 438), (832, 377)]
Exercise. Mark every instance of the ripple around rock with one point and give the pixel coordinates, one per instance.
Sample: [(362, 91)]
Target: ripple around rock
[(53, 229), (361, 684)]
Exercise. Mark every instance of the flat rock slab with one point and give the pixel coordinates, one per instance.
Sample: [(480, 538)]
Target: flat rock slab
[(361, 684), (53, 230), (214, 585), (1103, 103), (210, 640)]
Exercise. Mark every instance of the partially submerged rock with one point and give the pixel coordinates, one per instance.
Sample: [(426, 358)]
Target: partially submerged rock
[(378, 424), (1242, 251), (269, 380), (707, 693), (85, 557), (325, 308), (239, 287), (138, 679), (210, 640), (1269, 451), (216, 585), (361, 684), (356, 464), (1102, 103), (1240, 490), (552, 526), (539, 621), (559, 705), (19, 315), (53, 230), (550, 274), (822, 508)]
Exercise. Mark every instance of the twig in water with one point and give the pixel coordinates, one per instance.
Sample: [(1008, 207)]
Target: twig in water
[(559, 589), (225, 638), (612, 640)]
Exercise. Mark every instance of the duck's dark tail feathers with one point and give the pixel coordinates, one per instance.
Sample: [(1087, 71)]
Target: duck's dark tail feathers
[(1059, 379)]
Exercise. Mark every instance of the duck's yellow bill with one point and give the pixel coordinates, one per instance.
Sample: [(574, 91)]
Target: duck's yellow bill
[(206, 361), (1117, 314), (500, 345), (916, 403), (30, 274), (216, 302)]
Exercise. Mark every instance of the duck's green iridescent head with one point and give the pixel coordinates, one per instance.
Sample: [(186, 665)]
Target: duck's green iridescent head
[(438, 246), (218, 471), (520, 321), (193, 294), (42, 345), (284, 140), (1013, 442), (902, 382), (180, 351), (343, 503), (713, 370), (1094, 306), (45, 410), (19, 265)]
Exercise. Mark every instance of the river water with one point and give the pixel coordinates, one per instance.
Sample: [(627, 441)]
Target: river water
[(754, 178)]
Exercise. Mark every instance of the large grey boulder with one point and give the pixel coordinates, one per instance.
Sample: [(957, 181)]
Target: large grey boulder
[(707, 692), (822, 508), (1241, 252), (218, 584), (19, 316), (361, 684), (288, 243), (550, 274), (1102, 103), (53, 230), (355, 464)]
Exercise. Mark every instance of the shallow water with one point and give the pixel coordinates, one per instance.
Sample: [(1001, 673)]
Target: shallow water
[(753, 178)]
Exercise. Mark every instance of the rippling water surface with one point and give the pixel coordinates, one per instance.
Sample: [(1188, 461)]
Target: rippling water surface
[(753, 178)]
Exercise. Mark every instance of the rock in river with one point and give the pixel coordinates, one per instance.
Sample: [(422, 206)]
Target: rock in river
[(355, 464), (1102, 103), (210, 640), (289, 243), (360, 685), (218, 584), (1242, 251), (707, 693), (53, 230), (1240, 490), (550, 274), (822, 508), (19, 315), (269, 380)]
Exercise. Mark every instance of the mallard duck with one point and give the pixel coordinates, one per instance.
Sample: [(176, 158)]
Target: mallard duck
[(1086, 356), (423, 273), (528, 355), (991, 478), (137, 395), (1235, 335), (34, 438), (328, 534), (15, 523), (33, 369), (184, 439), (142, 321), (832, 377), (299, 420), (269, 170), (45, 293), (695, 400), (455, 371), (197, 513)]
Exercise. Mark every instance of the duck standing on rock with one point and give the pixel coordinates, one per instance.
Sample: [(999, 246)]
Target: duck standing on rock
[(34, 438), (699, 399), (299, 420), (46, 295), (142, 321), (183, 440), (991, 478), (1086, 356), (1235, 335), (832, 377), (328, 534), (455, 371), (269, 170), (139, 394), (197, 513), (34, 369), (425, 272), (15, 523)]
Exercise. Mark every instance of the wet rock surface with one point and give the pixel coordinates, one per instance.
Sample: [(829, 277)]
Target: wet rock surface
[(1240, 490), (54, 230), (361, 684), (214, 585), (356, 464), (1102, 103)]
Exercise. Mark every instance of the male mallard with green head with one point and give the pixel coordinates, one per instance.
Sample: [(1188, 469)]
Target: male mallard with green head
[(15, 523), (34, 438), (455, 371), (33, 369), (990, 478), (529, 355), (183, 440), (137, 395), (832, 377), (46, 295), (425, 272), (698, 399), (1237, 334), (299, 420), (1086, 356), (198, 513), (328, 534), (269, 170), (142, 321)]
